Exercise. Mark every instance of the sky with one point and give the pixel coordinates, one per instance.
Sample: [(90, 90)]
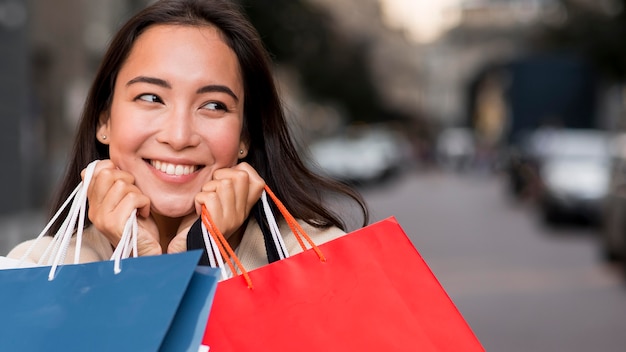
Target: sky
[(423, 20)]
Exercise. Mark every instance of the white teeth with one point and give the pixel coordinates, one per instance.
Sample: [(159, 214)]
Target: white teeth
[(173, 169)]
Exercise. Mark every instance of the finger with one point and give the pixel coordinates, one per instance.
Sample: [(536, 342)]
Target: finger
[(131, 199), (100, 163), (208, 195), (210, 200), (111, 216), (234, 186), (112, 199), (103, 180), (256, 184)]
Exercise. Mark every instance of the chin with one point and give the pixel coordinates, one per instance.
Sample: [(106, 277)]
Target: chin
[(170, 211)]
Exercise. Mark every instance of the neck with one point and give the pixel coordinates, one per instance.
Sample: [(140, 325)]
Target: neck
[(168, 228)]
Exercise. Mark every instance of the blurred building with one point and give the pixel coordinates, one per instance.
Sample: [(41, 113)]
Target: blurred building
[(489, 33), (431, 78), (512, 85), (50, 62), (16, 116), (394, 59)]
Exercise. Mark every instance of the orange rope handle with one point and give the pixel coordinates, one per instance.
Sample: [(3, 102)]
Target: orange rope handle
[(295, 227), (208, 224), (223, 245)]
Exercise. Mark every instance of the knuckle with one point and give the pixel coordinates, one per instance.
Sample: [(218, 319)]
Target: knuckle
[(120, 185), (106, 173), (133, 197), (209, 186), (242, 175), (206, 197)]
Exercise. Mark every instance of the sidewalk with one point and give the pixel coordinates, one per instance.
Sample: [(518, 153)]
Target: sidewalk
[(18, 227)]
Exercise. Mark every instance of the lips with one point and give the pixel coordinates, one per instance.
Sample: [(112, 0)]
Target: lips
[(173, 169)]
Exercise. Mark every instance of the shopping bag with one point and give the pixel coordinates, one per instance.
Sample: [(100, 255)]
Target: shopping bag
[(154, 303), (372, 291), (125, 304)]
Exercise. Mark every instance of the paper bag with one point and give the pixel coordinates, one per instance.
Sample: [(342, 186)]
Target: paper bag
[(374, 292), (154, 303)]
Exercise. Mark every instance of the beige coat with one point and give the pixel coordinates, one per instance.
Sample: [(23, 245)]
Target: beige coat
[(251, 250)]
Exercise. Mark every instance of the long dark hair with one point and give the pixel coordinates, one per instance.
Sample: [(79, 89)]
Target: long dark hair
[(271, 151)]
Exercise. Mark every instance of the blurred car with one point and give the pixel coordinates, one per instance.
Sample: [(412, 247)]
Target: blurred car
[(365, 155), (574, 171), (613, 232), (455, 148)]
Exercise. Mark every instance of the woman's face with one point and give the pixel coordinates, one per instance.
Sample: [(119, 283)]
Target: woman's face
[(176, 114)]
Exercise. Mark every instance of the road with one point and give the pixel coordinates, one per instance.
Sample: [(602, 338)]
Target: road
[(520, 285)]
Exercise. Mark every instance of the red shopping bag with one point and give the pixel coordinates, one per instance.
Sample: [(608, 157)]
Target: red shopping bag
[(373, 292)]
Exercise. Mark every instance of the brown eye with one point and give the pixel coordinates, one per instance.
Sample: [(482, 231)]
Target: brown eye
[(214, 106), (151, 98)]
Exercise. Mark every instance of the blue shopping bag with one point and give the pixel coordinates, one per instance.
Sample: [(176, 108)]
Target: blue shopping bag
[(154, 303)]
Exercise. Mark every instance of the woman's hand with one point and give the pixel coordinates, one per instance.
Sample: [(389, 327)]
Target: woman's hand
[(228, 197), (112, 197)]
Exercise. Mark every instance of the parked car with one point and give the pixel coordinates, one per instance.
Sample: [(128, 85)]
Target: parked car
[(613, 231), (364, 155), (574, 171)]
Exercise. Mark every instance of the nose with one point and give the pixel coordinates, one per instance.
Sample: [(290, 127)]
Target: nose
[(178, 130)]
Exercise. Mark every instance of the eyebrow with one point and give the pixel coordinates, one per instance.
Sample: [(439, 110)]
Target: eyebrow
[(151, 80), (217, 88), (163, 83)]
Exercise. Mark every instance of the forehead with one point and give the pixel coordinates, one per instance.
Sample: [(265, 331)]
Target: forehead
[(163, 31), (183, 49)]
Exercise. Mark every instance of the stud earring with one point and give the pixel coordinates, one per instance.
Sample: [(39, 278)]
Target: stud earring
[(241, 151), (104, 137)]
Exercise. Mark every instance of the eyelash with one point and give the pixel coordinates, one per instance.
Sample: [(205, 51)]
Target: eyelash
[(156, 99), (216, 106)]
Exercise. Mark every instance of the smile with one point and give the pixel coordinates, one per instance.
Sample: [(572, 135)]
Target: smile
[(173, 169)]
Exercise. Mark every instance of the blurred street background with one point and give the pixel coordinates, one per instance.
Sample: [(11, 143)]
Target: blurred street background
[(493, 130)]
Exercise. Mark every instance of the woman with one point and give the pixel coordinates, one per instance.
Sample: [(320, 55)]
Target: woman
[(184, 113)]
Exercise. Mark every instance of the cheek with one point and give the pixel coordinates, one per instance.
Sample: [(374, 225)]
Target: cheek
[(126, 137), (224, 142)]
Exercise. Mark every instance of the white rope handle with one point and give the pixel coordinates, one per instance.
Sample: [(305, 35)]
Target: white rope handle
[(271, 220), (55, 252), (74, 220), (127, 243), (77, 221), (215, 257), (47, 227), (64, 236)]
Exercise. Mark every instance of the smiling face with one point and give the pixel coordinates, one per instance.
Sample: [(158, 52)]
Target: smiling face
[(176, 114)]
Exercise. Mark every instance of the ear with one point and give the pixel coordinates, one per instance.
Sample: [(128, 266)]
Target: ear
[(243, 149), (103, 130)]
